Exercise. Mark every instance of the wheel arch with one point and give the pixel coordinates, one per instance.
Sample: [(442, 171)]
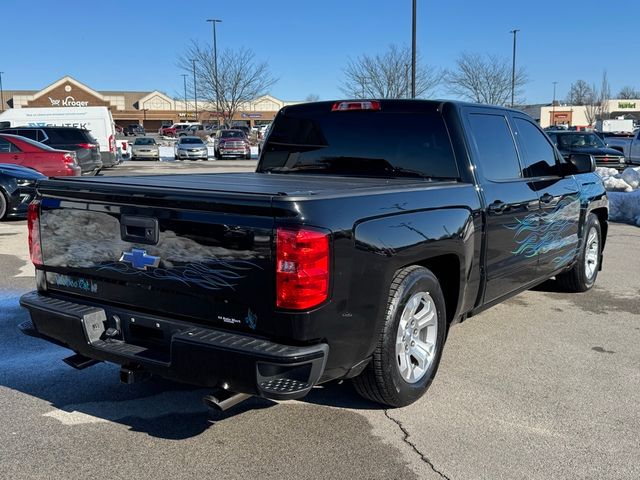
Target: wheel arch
[(603, 218), (446, 268)]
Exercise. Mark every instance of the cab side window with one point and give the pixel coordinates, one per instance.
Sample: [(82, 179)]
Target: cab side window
[(538, 154), (494, 141)]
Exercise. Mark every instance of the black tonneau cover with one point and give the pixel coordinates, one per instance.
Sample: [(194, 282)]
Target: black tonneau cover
[(231, 183)]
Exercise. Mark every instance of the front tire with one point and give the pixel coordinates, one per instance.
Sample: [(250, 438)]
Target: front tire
[(410, 343), (583, 274), (4, 205)]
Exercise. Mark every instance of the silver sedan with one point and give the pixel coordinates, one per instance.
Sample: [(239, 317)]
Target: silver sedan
[(191, 148), (145, 147)]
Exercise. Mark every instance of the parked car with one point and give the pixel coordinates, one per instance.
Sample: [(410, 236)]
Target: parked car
[(164, 129), (231, 143), (628, 146), (263, 135), (17, 189), (197, 130), (96, 121), (145, 147), (587, 142), (368, 229), (133, 130), (246, 130), (175, 129), (42, 158), (78, 140), (190, 148)]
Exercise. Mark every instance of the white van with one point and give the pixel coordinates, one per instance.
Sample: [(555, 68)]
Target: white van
[(97, 120)]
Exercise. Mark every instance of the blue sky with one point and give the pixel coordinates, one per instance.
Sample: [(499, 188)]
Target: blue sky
[(133, 45)]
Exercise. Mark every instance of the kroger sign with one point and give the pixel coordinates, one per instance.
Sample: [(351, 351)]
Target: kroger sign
[(68, 102)]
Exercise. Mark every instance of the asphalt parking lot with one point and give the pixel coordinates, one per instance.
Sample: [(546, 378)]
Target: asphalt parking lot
[(546, 385)]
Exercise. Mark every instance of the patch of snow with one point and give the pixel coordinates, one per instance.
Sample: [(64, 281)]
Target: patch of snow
[(624, 207), (624, 194)]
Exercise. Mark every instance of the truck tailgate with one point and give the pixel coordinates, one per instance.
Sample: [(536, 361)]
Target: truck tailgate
[(209, 261)]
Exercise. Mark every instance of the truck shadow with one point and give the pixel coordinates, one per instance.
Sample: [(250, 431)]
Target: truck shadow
[(158, 407)]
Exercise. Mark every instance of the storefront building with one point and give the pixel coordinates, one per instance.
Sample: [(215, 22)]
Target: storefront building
[(149, 109), (580, 115)]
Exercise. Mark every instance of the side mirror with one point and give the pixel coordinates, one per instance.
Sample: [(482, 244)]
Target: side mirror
[(581, 163)]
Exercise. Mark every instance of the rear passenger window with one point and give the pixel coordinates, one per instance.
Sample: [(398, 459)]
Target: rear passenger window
[(538, 155), (69, 136), (498, 156), (5, 147), (32, 134)]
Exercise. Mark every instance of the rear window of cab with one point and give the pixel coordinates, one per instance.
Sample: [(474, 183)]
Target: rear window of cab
[(384, 142)]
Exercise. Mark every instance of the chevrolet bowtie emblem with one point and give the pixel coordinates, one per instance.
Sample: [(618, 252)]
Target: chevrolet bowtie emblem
[(138, 258)]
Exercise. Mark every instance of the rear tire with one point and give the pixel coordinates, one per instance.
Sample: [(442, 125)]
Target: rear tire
[(401, 372), (4, 205), (583, 274)]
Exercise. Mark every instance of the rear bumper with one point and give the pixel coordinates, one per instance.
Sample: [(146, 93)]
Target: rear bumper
[(108, 159), (179, 350)]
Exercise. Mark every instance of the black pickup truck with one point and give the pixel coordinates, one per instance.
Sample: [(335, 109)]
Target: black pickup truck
[(368, 229)]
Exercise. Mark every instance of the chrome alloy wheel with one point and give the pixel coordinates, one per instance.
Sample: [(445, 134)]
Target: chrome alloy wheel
[(416, 337), (592, 253)]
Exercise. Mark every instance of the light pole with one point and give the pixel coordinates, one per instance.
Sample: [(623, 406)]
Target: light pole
[(553, 105), (1, 94), (186, 109), (215, 63), (513, 67), (195, 89), (413, 52)]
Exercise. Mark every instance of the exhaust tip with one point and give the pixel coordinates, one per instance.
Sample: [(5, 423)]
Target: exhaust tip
[(80, 362), (130, 375), (224, 400)]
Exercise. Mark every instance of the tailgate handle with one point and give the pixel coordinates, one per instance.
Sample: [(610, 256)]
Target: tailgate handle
[(139, 229)]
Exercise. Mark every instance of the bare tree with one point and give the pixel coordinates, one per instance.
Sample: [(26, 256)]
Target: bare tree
[(592, 105), (312, 97), (579, 93), (240, 78), (387, 75), (628, 93), (485, 79), (596, 102)]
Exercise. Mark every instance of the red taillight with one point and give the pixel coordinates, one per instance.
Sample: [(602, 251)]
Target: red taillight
[(88, 146), (363, 105), (112, 144), (302, 268), (33, 226), (69, 159)]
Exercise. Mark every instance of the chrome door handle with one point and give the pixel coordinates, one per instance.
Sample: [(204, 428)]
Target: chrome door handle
[(498, 206)]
